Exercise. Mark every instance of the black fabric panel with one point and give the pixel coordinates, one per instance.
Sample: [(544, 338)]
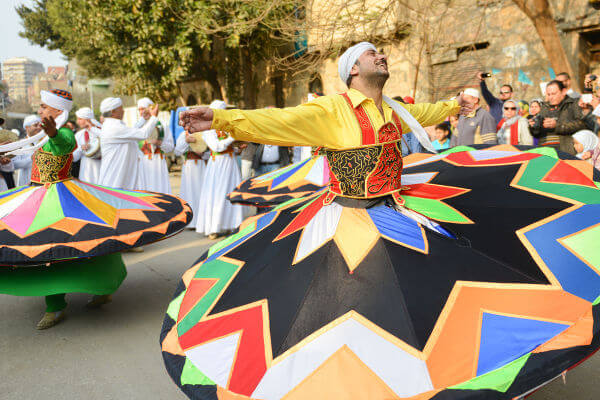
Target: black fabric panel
[(268, 274), (372, 291), (284, 194), (498, 211), (174, 364), (427, 280)]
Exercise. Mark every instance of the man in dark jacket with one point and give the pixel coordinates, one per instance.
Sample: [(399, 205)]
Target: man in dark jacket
[(495, 103), (559, 118)]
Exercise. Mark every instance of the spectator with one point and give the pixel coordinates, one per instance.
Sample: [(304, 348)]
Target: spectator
[(565, 79), (443, 135), (559, 118), (453, 119), (534, 108), (523, 108), (410, 143), (587, 147), (506, 93), (587, 104), (514, 128), (268, 158), (477, 127)]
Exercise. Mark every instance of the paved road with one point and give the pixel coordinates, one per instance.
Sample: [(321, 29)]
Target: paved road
[(113, 353)]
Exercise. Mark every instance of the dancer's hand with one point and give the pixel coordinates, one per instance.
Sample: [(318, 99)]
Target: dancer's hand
[(49, 126), (197, 119)]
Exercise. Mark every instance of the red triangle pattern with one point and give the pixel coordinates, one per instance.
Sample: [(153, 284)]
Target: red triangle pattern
[(195, 291), (464, 158), (250, 362), (566, 174), (303, 218), (431, 191)]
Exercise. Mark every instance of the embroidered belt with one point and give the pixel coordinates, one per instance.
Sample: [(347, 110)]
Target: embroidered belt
[(366, 172), (48, 168)]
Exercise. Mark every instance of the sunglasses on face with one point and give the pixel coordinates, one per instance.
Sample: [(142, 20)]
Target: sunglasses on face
[(501, 92), (510, 108)]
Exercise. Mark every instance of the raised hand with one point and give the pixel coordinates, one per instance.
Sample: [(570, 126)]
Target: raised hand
[(154, 110), (197, 119), (49, 126)]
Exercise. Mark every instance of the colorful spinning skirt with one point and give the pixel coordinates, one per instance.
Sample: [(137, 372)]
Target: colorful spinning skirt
[(73, 219), (486, 285), (291, 182)]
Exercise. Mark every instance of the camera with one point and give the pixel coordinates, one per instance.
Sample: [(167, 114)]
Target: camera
[(589, 89), (486, 75)]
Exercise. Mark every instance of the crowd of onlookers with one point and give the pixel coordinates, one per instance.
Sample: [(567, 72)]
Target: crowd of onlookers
[(564, 119)]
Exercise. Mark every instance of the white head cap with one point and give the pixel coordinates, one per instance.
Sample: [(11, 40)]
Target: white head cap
[(218, 104), (31, 120), (87, 113), (348, 59), (144, 102), (472, 92), (110, 103)]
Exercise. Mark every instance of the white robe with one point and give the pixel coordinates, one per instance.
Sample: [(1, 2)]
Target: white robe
[(215, 213), (89, 169), (22, 164), (155, 174), (192, 177), (120, 153)]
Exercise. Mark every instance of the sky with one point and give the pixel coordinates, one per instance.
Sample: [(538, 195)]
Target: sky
[(12, 45)]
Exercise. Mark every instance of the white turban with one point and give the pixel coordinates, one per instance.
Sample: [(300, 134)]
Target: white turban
[(55, 101), (31, 120), (588, 139), (144, 102), (87, 113), (60, 103), (473, 92), (110, 103), (348, 59), (218, 104)]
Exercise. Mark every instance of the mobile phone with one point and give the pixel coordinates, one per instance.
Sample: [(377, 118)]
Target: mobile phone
[(486, 75)]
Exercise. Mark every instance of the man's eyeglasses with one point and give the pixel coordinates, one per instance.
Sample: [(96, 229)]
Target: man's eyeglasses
[(501, 92), (510, 108)]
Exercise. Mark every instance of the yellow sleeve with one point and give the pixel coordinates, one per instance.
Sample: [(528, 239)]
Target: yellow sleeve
[(432, 114), (316, 123)]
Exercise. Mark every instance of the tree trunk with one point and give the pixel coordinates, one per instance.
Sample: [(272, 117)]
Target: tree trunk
[(538, 11), (278, 95), (248, 80)]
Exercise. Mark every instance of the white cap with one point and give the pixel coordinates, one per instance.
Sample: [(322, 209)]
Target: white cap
[(110, 103), (472, 92), (31, 120), (144, 102)]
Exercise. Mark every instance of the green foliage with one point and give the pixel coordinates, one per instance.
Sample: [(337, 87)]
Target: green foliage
[(149, 47)]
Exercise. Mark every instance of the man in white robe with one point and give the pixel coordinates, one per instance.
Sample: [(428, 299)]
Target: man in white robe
[(87, 137), (216, 215), (154, 164), (22, 163), (192, 173), (120, 165)]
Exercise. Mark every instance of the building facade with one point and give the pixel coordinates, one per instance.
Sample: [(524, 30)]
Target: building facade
[(19, 73)]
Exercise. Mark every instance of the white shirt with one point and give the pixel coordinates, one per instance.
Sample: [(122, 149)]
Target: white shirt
[(120, 151), (270, 154), (213, 142)]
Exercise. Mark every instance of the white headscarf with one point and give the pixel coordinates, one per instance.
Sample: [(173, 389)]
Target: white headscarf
[(588, 139), (31, 120), (110, 103), (144, 102), (87, 113), (348, 59), (218, 105)]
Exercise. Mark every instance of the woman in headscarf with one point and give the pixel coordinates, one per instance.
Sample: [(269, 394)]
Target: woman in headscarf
[(513, 129), (587, 146)]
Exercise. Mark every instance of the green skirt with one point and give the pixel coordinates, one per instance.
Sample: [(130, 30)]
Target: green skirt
[(98, 275)]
